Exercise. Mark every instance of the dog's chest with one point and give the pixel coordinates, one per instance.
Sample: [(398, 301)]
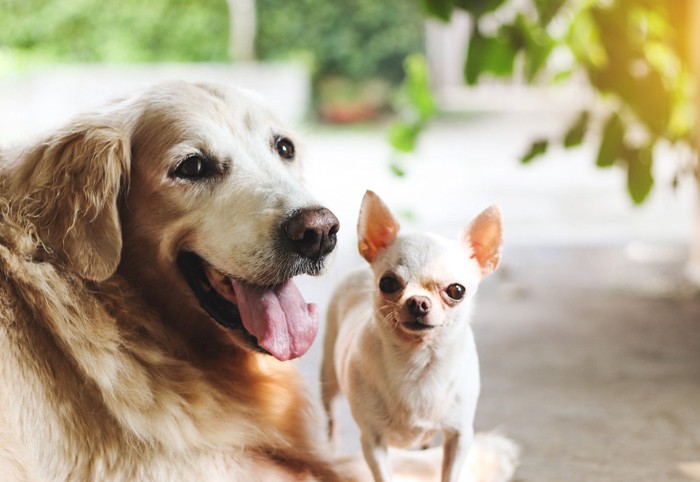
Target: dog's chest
[(421, 405), (411, 427)]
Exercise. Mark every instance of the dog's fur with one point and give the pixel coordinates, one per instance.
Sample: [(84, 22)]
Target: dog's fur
[(398, 342), (109, 367)]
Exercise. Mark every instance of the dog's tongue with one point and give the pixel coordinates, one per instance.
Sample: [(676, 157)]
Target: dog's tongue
[(278, 316)]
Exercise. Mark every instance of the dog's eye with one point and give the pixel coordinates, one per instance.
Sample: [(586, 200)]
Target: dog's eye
[(285, 148), (389, 284), (192, 167), (455, 291)]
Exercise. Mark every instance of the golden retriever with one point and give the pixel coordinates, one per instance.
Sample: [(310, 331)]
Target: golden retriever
[(146, 301)]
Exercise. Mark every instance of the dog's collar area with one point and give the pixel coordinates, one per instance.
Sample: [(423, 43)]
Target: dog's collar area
[(217, 307)]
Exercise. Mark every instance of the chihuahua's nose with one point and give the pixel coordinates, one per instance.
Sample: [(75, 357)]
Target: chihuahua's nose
[(418, 306), (311, 232)]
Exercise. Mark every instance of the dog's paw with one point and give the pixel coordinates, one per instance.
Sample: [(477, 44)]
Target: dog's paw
[(492, 458)]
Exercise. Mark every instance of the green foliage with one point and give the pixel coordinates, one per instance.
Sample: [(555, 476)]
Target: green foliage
[(574, 136), (354, 39), (537, 148), (415, 104), (479, 7), (441, 9), (124, 31), (612, 144), (488, 54), (639, 177), (632, 51)]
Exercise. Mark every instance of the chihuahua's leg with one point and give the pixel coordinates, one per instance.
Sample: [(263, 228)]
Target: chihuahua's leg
[(329, 391), (329, 378), (457, 445), (377, 458)]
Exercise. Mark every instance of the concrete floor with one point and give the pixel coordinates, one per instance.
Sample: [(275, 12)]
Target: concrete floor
[(591, 361)]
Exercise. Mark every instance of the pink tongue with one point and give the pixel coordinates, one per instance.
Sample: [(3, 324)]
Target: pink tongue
[(278, 316)]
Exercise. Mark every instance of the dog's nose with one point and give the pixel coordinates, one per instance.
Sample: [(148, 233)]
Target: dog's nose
[(418, 306), (312, 232)]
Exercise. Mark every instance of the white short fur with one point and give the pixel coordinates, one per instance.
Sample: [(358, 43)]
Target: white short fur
[(406, 381)]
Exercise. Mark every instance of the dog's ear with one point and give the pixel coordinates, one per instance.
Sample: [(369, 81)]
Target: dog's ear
[(70, 185), (484, 236), (376, 227)]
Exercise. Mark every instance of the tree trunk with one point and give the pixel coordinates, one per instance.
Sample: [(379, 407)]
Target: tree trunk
[(242, 21)]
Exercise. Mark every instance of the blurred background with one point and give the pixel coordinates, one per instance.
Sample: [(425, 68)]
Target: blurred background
[(578, 117)]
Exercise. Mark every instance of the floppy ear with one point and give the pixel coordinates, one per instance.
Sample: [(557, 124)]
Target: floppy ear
[(484, 236), (69, 185), (376, 227)]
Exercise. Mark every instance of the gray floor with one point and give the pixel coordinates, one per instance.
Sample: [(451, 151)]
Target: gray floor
[(592, 363)]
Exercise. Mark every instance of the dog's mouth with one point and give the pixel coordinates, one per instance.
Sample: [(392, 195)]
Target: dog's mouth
[(417, 326), (272, 319)]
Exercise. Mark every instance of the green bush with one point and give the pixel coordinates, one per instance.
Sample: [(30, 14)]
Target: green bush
[(354, 39), (115, 31)]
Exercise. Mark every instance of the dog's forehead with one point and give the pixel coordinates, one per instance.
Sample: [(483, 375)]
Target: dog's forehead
[(424, 256), (189, 108), (177, 119)]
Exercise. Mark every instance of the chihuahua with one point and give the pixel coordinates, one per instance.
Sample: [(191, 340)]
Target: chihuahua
[(398, 342)]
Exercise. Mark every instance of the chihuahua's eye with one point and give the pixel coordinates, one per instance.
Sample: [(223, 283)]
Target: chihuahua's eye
[(389, 284), (285, 148), (455, 291), (192, 168)]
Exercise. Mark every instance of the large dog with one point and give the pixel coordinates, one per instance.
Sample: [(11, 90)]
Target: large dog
[(146, 298)]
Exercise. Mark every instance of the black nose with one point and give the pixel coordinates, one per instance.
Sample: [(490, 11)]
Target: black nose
[(311, 232), (418, 305)]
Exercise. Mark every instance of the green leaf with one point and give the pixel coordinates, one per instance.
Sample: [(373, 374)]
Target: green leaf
[(645, 94), (613, 142), (494, 55), (639, 176), (547, 9), (562, 75), (396, 170), (417, 105), (408, 214), (535, 41), (479, 7), (417, 86), (403, 136), (537, 56), (441, 9), (628, 72), (574, 136), (536, 149)]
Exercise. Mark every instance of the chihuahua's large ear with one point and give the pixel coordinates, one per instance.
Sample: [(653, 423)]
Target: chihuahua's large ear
[(376, 227), (69, 185), (484, 236)]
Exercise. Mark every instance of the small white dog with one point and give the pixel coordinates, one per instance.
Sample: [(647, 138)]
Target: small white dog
[(398, 341)]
